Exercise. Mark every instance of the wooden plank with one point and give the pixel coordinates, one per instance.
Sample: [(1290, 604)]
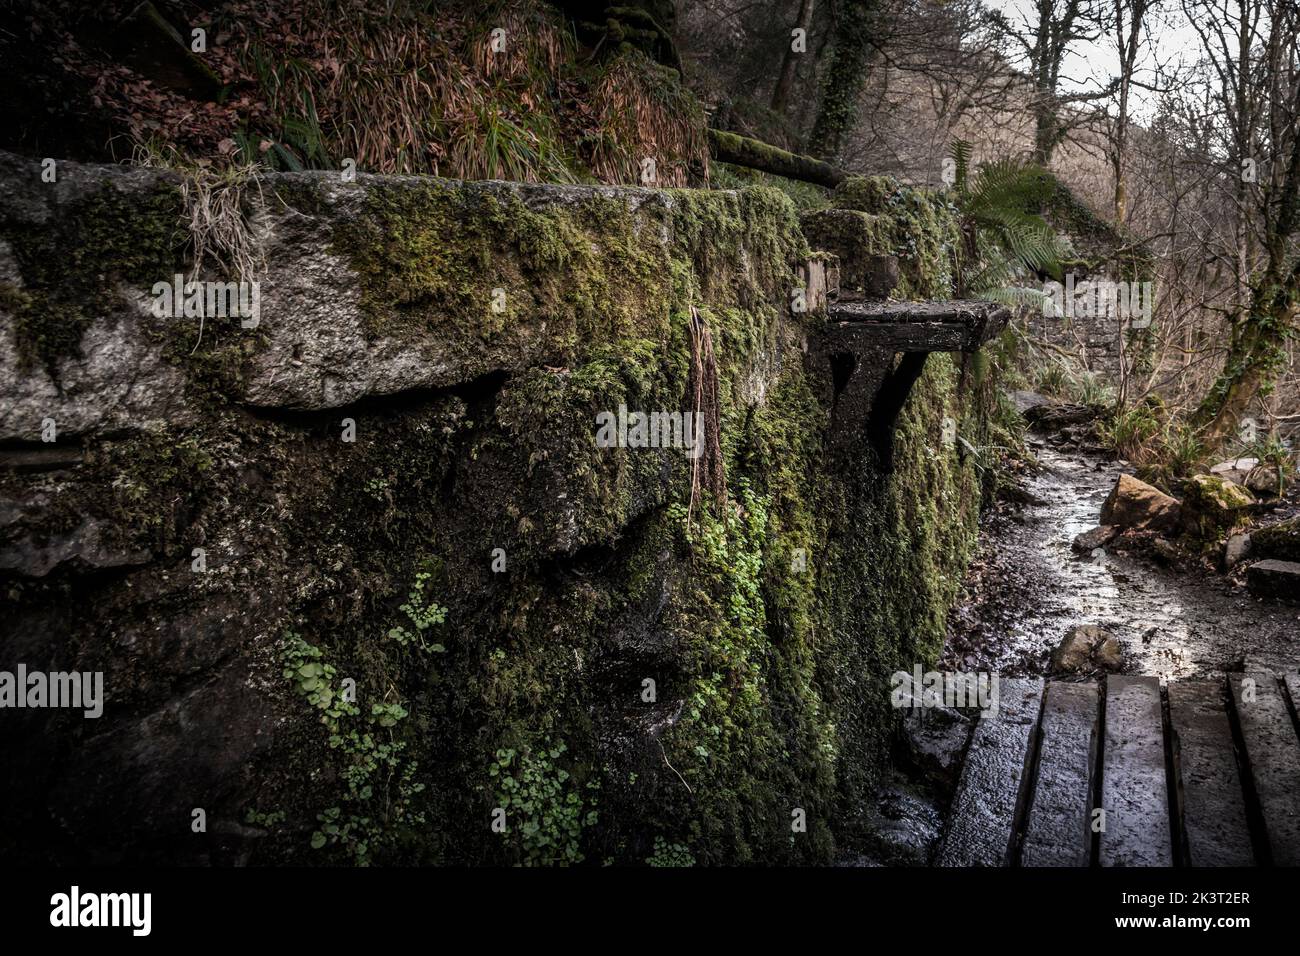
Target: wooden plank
[(983, 819), (1209, 785), (915, 326), (1292, 682), (1057, 832), (902, 337), (1134, 788), (1273, 754)]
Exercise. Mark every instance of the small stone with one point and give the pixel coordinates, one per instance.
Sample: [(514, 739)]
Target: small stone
[(933, 741), (1098, 537), (1164, 550), (1087, 648), (1235, 550)]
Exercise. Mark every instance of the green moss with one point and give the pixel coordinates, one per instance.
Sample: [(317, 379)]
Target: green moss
[(1280, 541), (480, 266), (70, 267), (1212, 504), (877, 216)]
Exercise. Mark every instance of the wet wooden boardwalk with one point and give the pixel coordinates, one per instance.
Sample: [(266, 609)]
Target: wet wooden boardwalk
[(1127, 772)]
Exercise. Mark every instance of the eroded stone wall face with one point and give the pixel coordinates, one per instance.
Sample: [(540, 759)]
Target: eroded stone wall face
[(361, 581), (1094, 339)]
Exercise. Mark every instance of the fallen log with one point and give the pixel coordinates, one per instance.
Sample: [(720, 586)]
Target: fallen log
[(753, 154)]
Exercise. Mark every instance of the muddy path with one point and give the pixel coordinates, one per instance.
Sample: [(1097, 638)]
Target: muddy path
[(1027, 587)]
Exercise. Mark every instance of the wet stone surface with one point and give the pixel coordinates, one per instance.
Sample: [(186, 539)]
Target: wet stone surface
[(1028, 587)]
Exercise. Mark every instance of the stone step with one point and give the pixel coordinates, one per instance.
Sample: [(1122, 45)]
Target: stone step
[(983, 818), (1134, 789), (1058, 831), (1213, 808)]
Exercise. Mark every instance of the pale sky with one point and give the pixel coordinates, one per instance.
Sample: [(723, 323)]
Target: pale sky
[(1092, 64)]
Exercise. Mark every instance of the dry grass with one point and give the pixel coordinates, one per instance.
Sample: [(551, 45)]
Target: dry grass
[(493, 93), (214, 215), (641, 114), (214, 212)]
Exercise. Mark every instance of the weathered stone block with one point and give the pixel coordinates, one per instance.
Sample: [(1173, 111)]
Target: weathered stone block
[(1274, 579)]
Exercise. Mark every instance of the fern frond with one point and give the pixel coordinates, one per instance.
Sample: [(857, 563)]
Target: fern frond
[(961, 152)]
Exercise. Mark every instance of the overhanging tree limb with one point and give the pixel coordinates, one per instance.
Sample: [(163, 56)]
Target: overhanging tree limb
[(743, 151)]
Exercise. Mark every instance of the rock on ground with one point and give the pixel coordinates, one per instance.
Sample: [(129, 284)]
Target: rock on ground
[(1281, 540), (1086, 648), (1133, 503), (1054, 415), (1212, 504), (1274, 579), (1235, 550), (1098, 537), (1235, 470), (932, 740), (1165, 550), (1265, 481)]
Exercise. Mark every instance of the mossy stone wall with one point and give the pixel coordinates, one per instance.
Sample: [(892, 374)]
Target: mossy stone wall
[(499, 590)]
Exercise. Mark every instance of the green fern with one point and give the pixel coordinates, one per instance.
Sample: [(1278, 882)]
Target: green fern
[(1006, 239)]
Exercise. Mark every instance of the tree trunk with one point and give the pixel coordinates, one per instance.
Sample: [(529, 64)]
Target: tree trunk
[(1046, 130), (1257, 353), (845, 76), (790, 62)]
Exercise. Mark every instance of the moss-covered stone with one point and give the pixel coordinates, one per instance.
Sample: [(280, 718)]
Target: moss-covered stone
[(565, 576), (877, 216), (70, 270), (1280, 540), (1212, 505)]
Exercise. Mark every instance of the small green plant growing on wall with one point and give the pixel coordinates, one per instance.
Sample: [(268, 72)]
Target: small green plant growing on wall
[(313, 678), (669, 854), (379, 793), (422, 613), (546, 807), (266, 819)]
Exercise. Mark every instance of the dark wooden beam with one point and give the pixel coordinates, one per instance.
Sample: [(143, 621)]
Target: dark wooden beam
[(870, 354), (958, 326)]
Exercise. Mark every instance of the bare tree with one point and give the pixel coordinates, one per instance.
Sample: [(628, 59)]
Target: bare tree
[(790, 62), (1044, 40), (1128, 22), (1253, 102)]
